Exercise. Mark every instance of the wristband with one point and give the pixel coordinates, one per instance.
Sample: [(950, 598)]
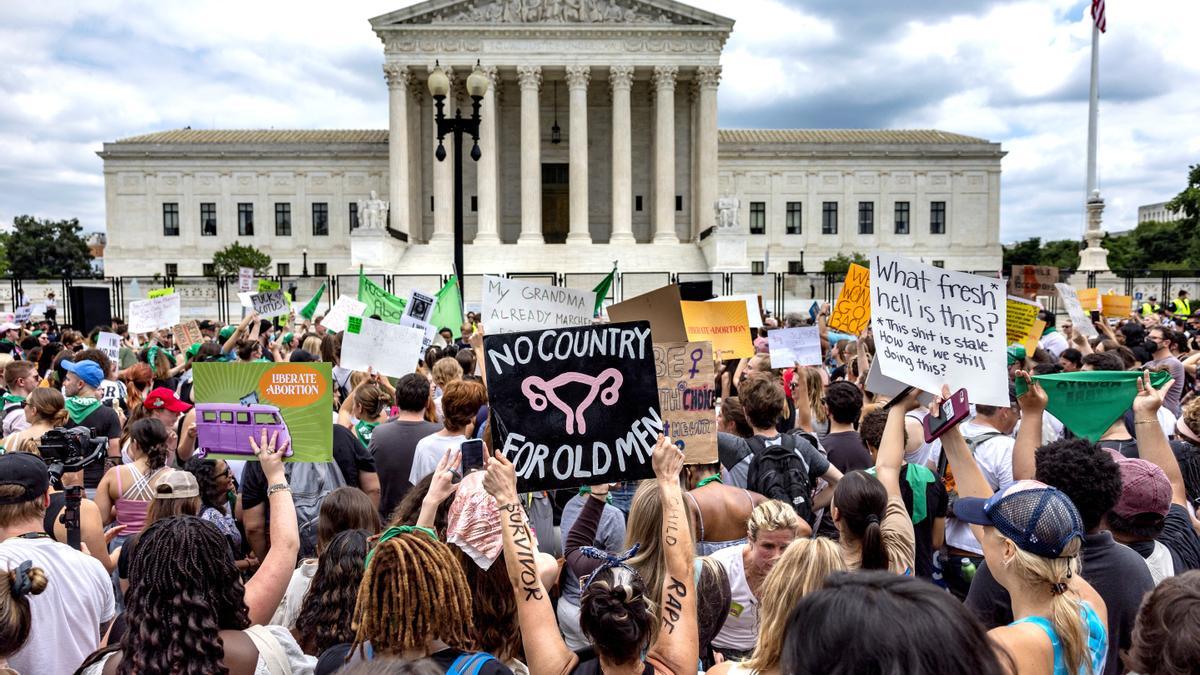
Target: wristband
[(1153, 421), (278, 487)]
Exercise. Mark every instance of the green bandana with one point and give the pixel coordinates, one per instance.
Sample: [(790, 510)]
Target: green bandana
[(364, 431), (13, 398), (79, 407), (398, 530), (1088, 402), (715, 478)]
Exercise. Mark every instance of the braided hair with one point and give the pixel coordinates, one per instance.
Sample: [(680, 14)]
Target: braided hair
[(184, 589), (151, 438), (323, 620), (205, 471), (413, 591)]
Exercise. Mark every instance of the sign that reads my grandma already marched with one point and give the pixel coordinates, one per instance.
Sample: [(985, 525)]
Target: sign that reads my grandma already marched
[(574, 406), (510, 305)]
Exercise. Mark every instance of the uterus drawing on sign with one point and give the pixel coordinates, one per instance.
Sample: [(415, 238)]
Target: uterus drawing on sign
[(540, 394)]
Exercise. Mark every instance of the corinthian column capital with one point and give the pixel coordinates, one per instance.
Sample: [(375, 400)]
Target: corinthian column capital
[(708, 77), (620, 77), (396, 75), (664, 77), (529, 77), (578, 77)]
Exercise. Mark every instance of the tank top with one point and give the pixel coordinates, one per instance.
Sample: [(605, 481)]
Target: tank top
[(1097, 640), (133, 502)]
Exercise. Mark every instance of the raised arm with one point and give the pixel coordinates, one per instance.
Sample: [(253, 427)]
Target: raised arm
[(678, 640), (891, 446), (1151, 442), (967, 476), (800, 400), (237, 334), (265, 589), (441, 488), (1029, 436)]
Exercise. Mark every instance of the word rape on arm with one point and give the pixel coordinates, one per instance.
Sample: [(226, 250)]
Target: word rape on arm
[(574, 406), (935, 327)]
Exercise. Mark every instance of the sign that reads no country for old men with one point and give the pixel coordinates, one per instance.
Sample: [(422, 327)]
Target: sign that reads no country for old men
[(685, 393), (574, 406), (511, 305)]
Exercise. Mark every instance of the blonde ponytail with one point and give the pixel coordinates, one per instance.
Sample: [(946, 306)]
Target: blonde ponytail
[(1066, 612)]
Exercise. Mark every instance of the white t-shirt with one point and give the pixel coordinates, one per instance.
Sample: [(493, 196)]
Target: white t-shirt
[(994, 457), (293, 597), (68, 614), (429, 452), (111, 390), (741, 626), (1053, 342)]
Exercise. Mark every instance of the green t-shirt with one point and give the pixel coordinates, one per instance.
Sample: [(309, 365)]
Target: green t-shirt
[(128, 358)]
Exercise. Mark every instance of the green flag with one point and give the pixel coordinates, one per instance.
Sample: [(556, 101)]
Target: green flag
[(380, 303), (447, 312), (309, 310), (602, 289), (1088, 402)]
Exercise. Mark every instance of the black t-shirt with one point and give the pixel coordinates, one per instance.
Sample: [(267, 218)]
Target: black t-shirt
[(936, 504), (332, 660), (846, 451), (392, 446), (350, 455), (103, 421)]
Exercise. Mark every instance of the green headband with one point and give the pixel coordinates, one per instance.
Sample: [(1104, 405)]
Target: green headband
[(397, 530), (154, 351)]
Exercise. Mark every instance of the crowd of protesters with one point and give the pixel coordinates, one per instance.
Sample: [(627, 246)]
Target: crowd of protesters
[(1011, 544)]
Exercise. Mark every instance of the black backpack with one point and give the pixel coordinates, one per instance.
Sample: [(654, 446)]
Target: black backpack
[(779, 471)]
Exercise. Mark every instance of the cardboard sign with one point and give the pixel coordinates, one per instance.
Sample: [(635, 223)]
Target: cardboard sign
[(511, 305), (753, 306), (1030, 281), (1035, 334), (147, 316), (852, 310), (110, 344), (186, 334), (161, 292), (660, 307), (934, 326), (291, 399), (245, 279), (1080, 318), (574, 406), (343, 309), (1089, 299), (687, 399), (386, 348), (419, 306), (1021, 315), (723, 323), (790, 346), (878, 383), (269, 304), (1116, 306)]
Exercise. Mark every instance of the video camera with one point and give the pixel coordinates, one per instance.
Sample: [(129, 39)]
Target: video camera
[(67, 450)]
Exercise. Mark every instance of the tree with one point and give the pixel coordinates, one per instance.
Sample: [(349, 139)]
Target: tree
[(230, 259), (1063, 254), (1187, 203), (840, 263), (39, 249)]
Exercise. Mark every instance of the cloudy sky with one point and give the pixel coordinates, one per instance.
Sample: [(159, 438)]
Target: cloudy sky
[(75, 74)]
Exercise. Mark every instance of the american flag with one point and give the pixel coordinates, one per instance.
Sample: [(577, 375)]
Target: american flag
[(1098, 14)]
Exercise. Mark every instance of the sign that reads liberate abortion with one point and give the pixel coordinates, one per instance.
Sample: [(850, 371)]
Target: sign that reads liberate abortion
[(510, 305), (574, 406)]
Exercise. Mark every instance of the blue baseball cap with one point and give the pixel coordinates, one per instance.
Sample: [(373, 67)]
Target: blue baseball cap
[(86, 370), (1038, 518)]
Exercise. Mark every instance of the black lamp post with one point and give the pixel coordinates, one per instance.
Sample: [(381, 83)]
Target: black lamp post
[(304, 269), (439, 88)]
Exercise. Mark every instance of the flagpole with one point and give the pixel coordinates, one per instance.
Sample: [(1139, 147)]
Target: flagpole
[(1094, 257), (1093, 106)]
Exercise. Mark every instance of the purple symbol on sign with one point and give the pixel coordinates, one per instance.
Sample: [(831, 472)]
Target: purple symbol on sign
[(608, 394)]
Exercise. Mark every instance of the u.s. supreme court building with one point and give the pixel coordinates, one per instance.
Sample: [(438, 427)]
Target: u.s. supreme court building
[(599, 142)]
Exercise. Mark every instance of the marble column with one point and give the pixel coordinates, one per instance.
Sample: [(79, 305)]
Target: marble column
[(577, 84), (488, 161), (530, 79), (443, 173), (663, 221), (620, 79), (707, 78), (398, 79)]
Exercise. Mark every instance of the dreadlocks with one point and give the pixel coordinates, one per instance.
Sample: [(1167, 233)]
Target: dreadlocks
[(413, 591), (184, 589)]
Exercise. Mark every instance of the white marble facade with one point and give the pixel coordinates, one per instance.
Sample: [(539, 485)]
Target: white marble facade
[(632, 85)]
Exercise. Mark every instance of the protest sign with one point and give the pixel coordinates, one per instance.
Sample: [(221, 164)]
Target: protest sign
[(428, 330), (1030, 342), (882, 385), (790, 346), (1021, 315), (1116, 306), (1088, 402), (110, 344), (687, 398), (269, 304), (1030, 281), (1089, 299), (1081, 320), (574, 406), (387, 348), (853, 308), (245, 279), (161, 292), (237, 400), (813, 309), (146, 316), (753, 302), (186, 334), (267, 285), (344, 308), (419, 306), (660, 307), (511, 305), (722, 323), (22, 314), (934, 327)]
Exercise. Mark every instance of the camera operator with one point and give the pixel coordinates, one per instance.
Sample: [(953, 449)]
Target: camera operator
[(85, 409)]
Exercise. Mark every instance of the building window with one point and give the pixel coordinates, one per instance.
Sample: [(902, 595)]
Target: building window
[(209, 270), (245, 219), (320, 219), (794, 215), (866, 217), (939, 263), (758, 267), (320, 269), (353, 216), (172, 269), (937, 217), (901, 217), (758, 217), (208, 219), (283, 269), (171, 219), (678, 202), (829, 218), (474, 203), (283, 220), (795, 267), (637, 203)]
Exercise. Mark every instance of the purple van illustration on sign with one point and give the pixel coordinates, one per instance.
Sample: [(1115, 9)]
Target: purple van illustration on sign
[(226, 428)]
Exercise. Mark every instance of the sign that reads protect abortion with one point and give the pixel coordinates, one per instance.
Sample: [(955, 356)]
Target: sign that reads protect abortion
[(574, 406)]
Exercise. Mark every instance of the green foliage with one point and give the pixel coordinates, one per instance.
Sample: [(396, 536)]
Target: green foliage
[(1063, 253), (228, 260), (39, 249), (840, 263)]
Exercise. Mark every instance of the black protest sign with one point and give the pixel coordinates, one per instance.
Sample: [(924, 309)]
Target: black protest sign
[(574, 406)]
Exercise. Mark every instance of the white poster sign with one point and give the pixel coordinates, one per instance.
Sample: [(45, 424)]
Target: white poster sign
[(147, 316), (1081, 320), (245, 279), (22, 314), (269, 304), (110, 344), (934, 326), (343, 309), (753, 308), (790, 346), (511, 306), (419, 306), (429, 330), (386, 348)]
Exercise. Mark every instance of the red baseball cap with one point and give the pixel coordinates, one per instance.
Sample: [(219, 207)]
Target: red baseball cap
[(162, 397)]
